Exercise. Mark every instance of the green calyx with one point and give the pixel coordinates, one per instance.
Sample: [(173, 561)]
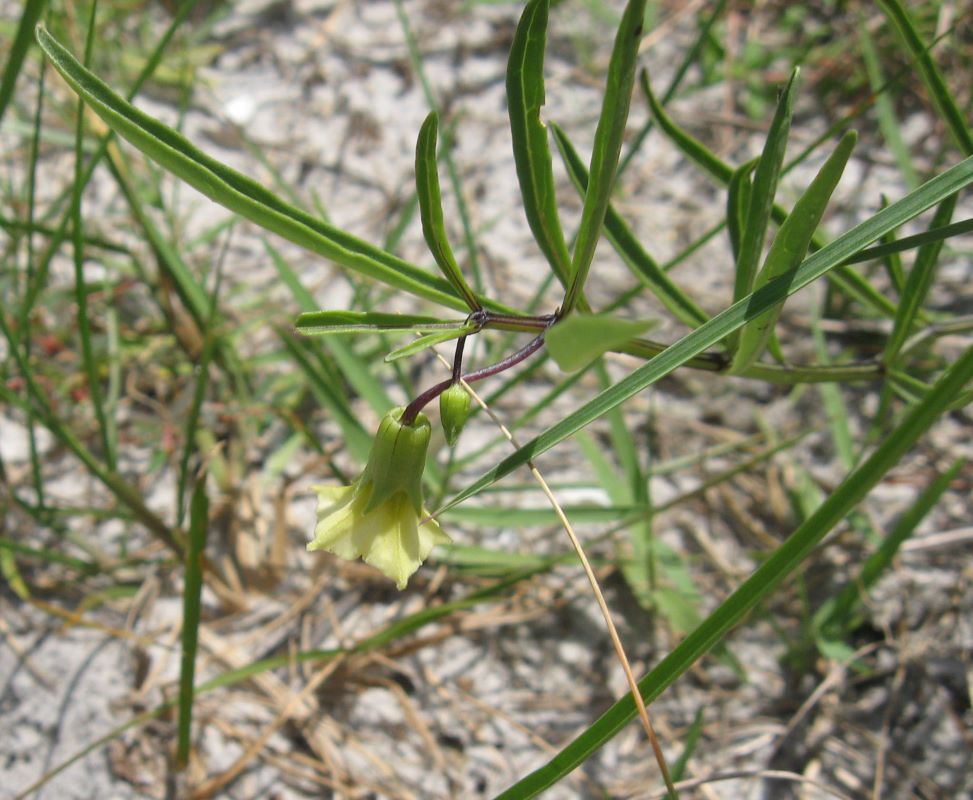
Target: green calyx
[(454, 408), (396, 461)]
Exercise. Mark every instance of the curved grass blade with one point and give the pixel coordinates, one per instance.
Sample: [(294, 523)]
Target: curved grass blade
[(320, 323), (236, 191), (532, 154), (628, 246), (759, 585), (931, 76), (607, 147), (431, 210), (732, 318), (789, 248)]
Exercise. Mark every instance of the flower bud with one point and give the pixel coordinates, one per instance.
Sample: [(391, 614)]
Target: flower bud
[(454, 408)]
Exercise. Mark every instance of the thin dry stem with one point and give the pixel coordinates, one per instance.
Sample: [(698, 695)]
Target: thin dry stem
[(596, 588)]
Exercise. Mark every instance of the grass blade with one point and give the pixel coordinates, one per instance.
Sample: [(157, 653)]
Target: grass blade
[(931, 76), (236, 191), (888, 122), (80, 288), (607, 147), (776, 568), (192, 593), (431, 210), (29, 17), (837, 615), (532, 154), (918, 284)]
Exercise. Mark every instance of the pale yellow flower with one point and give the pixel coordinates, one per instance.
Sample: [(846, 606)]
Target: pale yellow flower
[(378, 517), (388, 537)]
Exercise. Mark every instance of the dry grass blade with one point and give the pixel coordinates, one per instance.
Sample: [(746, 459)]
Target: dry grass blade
[(595, 588)]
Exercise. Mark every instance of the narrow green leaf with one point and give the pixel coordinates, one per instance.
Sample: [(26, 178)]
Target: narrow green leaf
[(759, 585), (427, 341), (431, 210), (789, 248), (576, 341), (628, 246), (912, 242), (532, 154), (737, 204), (236, 191), (762, 192), (319, 323), (607, 147), (846, 279), (931, 76), (732, 318), (192, 593), (918, 283), (29, 17)]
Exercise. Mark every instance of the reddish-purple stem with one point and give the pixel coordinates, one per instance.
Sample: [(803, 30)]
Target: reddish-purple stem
[(413, 409)]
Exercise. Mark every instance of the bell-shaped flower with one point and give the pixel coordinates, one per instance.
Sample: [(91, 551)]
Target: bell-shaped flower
[(378, 517)]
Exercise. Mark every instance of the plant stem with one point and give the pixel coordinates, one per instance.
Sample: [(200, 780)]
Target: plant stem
[(413, 409)]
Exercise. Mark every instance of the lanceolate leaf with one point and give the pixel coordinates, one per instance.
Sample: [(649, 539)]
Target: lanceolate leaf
[(532, 153), (431, 210), (236, 191), (579, 339), (317, 323), (762, 191), (628, 247), (848, 280), (789, 247), (427, 341), (607, 146), (737, 204)]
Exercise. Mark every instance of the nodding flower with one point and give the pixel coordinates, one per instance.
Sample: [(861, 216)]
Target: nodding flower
[(378, 518)]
